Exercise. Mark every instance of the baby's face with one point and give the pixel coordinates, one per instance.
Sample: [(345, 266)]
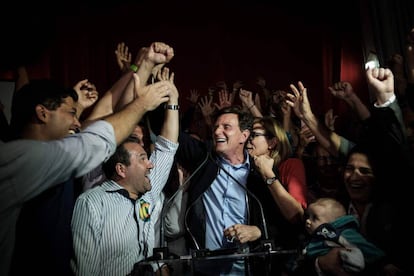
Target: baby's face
[(316, 215)]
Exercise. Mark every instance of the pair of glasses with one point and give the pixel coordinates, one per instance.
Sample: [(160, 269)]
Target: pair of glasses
[(361, 170), (256, 134)]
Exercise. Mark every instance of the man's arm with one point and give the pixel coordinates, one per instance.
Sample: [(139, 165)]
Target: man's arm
[(148, 98), (302, 108), (147, 59), (170, 128)]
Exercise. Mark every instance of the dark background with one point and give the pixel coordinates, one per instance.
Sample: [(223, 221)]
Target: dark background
[(316, 42)]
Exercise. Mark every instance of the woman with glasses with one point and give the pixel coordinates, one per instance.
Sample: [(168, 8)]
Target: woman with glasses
[(269, 146), (285, 178)]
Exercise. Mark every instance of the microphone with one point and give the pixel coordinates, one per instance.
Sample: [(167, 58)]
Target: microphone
[(267, 244), (162, 252)]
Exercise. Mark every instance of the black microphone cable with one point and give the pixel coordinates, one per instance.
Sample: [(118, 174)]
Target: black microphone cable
[(265, 234), (169, 202)]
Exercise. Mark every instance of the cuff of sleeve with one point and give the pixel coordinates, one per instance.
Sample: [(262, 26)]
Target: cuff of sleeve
[(387, 103)]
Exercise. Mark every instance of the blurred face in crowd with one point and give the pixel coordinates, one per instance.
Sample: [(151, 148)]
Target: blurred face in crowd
[(139, 133), (327, 170)]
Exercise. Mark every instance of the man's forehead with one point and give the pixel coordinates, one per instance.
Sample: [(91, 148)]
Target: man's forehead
[(68, 101)]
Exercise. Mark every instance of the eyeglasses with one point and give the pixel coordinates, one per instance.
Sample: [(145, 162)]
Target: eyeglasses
[(362, 170), (256, 134)]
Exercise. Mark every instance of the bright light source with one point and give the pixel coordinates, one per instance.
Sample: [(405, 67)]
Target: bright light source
[(372, 61)]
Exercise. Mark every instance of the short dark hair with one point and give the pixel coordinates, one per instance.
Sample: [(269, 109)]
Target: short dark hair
[(44, 91), (245, 118), (121, 155)]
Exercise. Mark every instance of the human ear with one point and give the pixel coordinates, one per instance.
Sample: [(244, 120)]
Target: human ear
[(41, 112)]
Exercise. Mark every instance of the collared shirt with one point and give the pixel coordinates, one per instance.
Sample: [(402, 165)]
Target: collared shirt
[(112, 232), (225, 202), (387, 103), (28, 167)]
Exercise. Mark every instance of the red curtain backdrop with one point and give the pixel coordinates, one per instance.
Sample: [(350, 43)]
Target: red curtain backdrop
[(285, 43)]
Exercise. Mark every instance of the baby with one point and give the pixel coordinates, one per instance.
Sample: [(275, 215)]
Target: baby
[(329, 226)]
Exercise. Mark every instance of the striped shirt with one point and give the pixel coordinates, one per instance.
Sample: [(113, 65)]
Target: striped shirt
[(109, 235)]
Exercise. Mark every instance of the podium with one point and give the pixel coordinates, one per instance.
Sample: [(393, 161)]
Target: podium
[(187, 265)]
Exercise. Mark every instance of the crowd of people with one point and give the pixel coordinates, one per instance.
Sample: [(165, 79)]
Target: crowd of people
[(134, 183)]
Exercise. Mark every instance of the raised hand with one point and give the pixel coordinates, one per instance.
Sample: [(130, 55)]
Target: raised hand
[(381, 82), (299, 100), (342, 90), (246, 97), (330, 119), (194, 95), (151, 96), (206, 106), (159, 52), (87, 94), (123, 57), (225, 99), (237, 85), (164, 74)]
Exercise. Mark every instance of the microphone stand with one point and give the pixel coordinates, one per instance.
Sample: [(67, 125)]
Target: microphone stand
[(266, 244), (162, 252)]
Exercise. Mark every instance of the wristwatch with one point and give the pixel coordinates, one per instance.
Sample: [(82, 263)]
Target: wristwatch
[(269, 181)]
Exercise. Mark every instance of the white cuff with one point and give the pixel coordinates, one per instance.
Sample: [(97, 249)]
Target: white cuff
[(387, 103)]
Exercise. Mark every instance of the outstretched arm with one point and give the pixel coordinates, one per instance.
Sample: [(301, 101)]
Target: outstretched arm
[(301, 106), (106, 105), (170, 128), (147, 60), (246, 97), (87, 96), (343, 90), (148, 98)]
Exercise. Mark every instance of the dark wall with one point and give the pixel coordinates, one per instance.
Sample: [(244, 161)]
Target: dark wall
[(285, 41)]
